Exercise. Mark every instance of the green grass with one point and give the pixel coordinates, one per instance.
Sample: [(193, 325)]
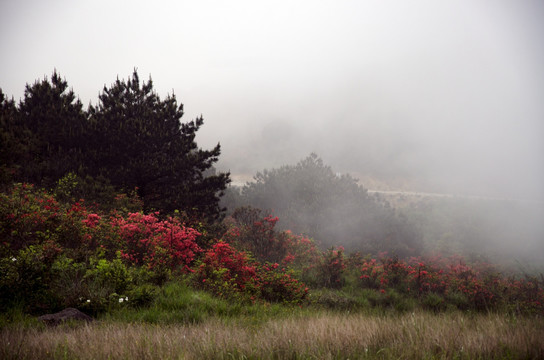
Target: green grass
[(178, 303), (318, 334), (16, 316), (183, 323)]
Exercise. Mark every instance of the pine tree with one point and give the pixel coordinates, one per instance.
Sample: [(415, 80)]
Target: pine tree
[(50, 128), (11, 149), (139, 142)]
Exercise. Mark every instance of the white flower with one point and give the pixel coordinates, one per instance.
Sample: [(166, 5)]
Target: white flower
[(13, 259), (126, 298), (88, 300), (121, 300)]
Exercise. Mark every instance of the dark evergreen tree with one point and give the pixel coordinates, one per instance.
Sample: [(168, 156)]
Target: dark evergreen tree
[(11, 148), (51, 130), (139, 142)]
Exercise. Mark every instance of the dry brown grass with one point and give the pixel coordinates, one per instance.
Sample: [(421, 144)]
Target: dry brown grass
[(323, 336)]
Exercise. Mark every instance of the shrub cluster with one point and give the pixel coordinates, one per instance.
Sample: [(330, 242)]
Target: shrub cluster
[(440, 282), (145, 240), (55, 255), (228, 272), (252, 231)]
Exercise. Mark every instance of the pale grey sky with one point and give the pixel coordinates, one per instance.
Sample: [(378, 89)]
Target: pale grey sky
[(449, 93)]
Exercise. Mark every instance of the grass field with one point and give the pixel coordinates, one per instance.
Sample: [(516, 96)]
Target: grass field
[(295, 335)]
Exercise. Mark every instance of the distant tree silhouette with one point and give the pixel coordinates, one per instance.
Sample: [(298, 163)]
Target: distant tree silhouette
[(310, 198)]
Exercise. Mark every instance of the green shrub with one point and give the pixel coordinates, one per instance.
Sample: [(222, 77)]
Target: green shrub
[(376, 298), (389, 298), (68, 282), (458, 299), (105, 285), (26, 278), (112, 275), (142, 295), (434, 302)]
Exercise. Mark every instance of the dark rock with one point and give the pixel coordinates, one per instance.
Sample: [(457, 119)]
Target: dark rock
[(65, 315)]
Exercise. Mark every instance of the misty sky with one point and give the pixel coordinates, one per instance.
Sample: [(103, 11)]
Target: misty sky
[(446, 94)]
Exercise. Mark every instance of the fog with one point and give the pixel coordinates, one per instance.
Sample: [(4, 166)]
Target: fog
[(440, 96)]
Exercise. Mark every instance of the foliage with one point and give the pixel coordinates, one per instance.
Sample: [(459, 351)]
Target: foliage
[(438, 282), (48, 132), (145, 240), (98, 191), (255, 233), (332, 268), (57, 255), (112, 275), (26, 275), (11, 148), (311, 199), (334, 299), (139, 142), (251, 230), (178, 303), (233, 274), (27, 216), (131, 141)]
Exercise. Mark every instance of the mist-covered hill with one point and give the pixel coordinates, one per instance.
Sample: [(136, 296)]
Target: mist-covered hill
[(337, 209)]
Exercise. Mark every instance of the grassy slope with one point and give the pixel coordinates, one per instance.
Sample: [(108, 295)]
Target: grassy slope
[(319, 336), (188, 324)]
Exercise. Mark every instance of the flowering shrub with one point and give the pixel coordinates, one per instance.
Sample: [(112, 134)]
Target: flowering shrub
[(280, 286), (145, 240), (35, 228), (437, 280), (370, 270), (301, 252), (230, 273), (27, 216), (227, 272), (254, 233), (72, 231), (332, 267), (54, 255)]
